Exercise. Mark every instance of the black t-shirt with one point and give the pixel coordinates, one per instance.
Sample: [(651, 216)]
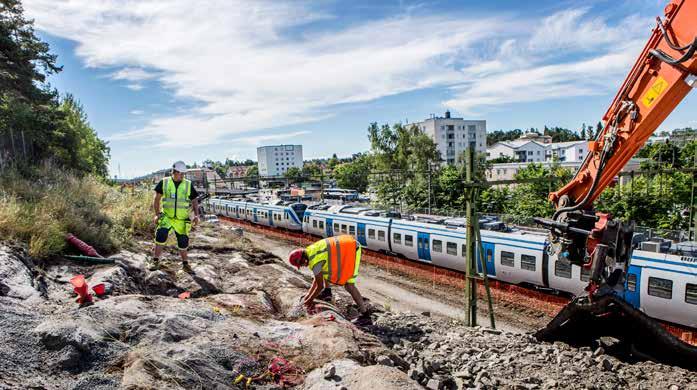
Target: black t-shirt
[(194, 193)]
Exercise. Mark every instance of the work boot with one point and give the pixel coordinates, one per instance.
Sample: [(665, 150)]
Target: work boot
[(187, 267), (153, 264)]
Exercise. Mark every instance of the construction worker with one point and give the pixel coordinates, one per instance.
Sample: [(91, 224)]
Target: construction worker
[(332, 260), (174, 197)]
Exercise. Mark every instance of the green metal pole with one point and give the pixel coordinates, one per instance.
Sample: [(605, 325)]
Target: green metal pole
[(470, 282), (482, 260)]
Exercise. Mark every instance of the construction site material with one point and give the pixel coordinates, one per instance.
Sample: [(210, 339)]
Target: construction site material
[(583, 323), (85, 248), (90, 259)]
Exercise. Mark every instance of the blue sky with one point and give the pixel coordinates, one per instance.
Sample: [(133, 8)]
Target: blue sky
[(168, 80)]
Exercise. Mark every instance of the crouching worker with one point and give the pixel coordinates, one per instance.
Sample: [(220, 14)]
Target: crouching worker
[(332, 260), (174, 197)]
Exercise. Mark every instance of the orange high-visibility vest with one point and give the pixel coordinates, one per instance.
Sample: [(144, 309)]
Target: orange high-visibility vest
[(340, 263)]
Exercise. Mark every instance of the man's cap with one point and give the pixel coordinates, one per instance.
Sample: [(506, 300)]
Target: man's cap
[(179, 166), (295, 257)]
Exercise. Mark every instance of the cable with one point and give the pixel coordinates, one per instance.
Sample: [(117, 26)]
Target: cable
[(661, 55), (667, 38)]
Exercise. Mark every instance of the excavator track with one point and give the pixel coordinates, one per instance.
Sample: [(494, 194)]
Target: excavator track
[(584, 322)]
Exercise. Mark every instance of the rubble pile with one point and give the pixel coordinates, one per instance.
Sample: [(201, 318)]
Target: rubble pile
[(444, 354)]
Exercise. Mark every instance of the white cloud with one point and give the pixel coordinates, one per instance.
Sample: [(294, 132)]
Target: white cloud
[(135, 87), (248, 67), (132, 74), (137, 112)]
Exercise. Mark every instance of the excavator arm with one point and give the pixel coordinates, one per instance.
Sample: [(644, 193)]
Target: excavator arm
[(662, 76)]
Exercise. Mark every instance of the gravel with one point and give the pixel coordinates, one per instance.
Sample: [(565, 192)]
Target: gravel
[(456, 357)]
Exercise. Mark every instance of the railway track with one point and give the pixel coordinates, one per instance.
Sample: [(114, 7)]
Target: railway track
[(546, 303)]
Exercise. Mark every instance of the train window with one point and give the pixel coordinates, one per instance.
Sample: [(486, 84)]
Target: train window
[(314, 223), (451, 248), (408, 240), (691, 293), (307, 218), (381, 235), (585, 274), (437, 246), (343, 228), (507, 258), (321, 224), (662, 288), (631, 281), (527, 262), (397, 238), (336, 227), (371, 234), (562, 269), (352, 230)]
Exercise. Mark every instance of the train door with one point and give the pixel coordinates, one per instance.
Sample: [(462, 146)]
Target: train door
[(489, 251), (632, 286), (270, 217), (423, 242), (254, 214), (361, 234), (330, 229)]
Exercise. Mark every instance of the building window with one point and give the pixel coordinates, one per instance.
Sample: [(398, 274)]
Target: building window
[(437, 246), (662, 288), (563, 270), (371, 234), (527, 262), (631, 282), (691, 293), (381, 235), (397, 238), (508, 259), (529, 152), (408, 240), (451, 248)]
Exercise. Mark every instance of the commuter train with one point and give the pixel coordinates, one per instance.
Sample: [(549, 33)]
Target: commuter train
[(662, 285)]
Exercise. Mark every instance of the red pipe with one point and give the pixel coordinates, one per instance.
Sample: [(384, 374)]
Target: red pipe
[(85, 248)]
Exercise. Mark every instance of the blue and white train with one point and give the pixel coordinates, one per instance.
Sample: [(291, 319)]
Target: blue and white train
[(662, 285)]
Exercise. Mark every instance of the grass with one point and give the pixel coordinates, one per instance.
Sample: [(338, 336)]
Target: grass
[(40, 207)]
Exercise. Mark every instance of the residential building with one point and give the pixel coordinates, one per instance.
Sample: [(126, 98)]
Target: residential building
[(275, 160), (528, 149), (521, 150), (508, 171), (573, 151), (539, 138), (206, 178), (454, 135), (236, 171)]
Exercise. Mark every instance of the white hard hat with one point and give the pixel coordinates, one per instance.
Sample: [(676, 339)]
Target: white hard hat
[(179, 166)]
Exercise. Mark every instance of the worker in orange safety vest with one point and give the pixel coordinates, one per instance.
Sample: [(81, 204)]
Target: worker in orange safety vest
[(332, 260)]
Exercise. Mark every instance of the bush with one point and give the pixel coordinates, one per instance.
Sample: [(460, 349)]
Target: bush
[(42, 206)]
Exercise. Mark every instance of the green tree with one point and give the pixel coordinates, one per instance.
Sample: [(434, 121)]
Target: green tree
[(294, 175), (402, 158), (354, 174), (80, 149)]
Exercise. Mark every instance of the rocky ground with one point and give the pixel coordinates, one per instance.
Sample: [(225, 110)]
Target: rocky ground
[(243, 316)]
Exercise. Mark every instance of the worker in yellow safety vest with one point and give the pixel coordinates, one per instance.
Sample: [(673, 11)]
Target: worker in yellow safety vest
[(174, 197), (332, 260)]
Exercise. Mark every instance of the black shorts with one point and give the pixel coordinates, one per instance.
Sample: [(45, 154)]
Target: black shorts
[(161, 238)]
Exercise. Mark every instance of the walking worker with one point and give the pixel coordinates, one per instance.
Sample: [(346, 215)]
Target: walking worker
[(332, 260), (174, 197)]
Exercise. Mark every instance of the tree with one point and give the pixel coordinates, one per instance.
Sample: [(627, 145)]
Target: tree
[(583, 131), (502, 160), (294, 175), (403, 158), (354, 174), (253, 170), (80, 149)]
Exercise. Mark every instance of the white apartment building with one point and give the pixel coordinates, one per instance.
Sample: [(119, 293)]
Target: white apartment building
[(525, 150), (508, 171), (454, 135), (520, 150), (275, 160)]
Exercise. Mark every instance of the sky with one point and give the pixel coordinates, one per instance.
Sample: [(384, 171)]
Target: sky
[(166, 80)]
